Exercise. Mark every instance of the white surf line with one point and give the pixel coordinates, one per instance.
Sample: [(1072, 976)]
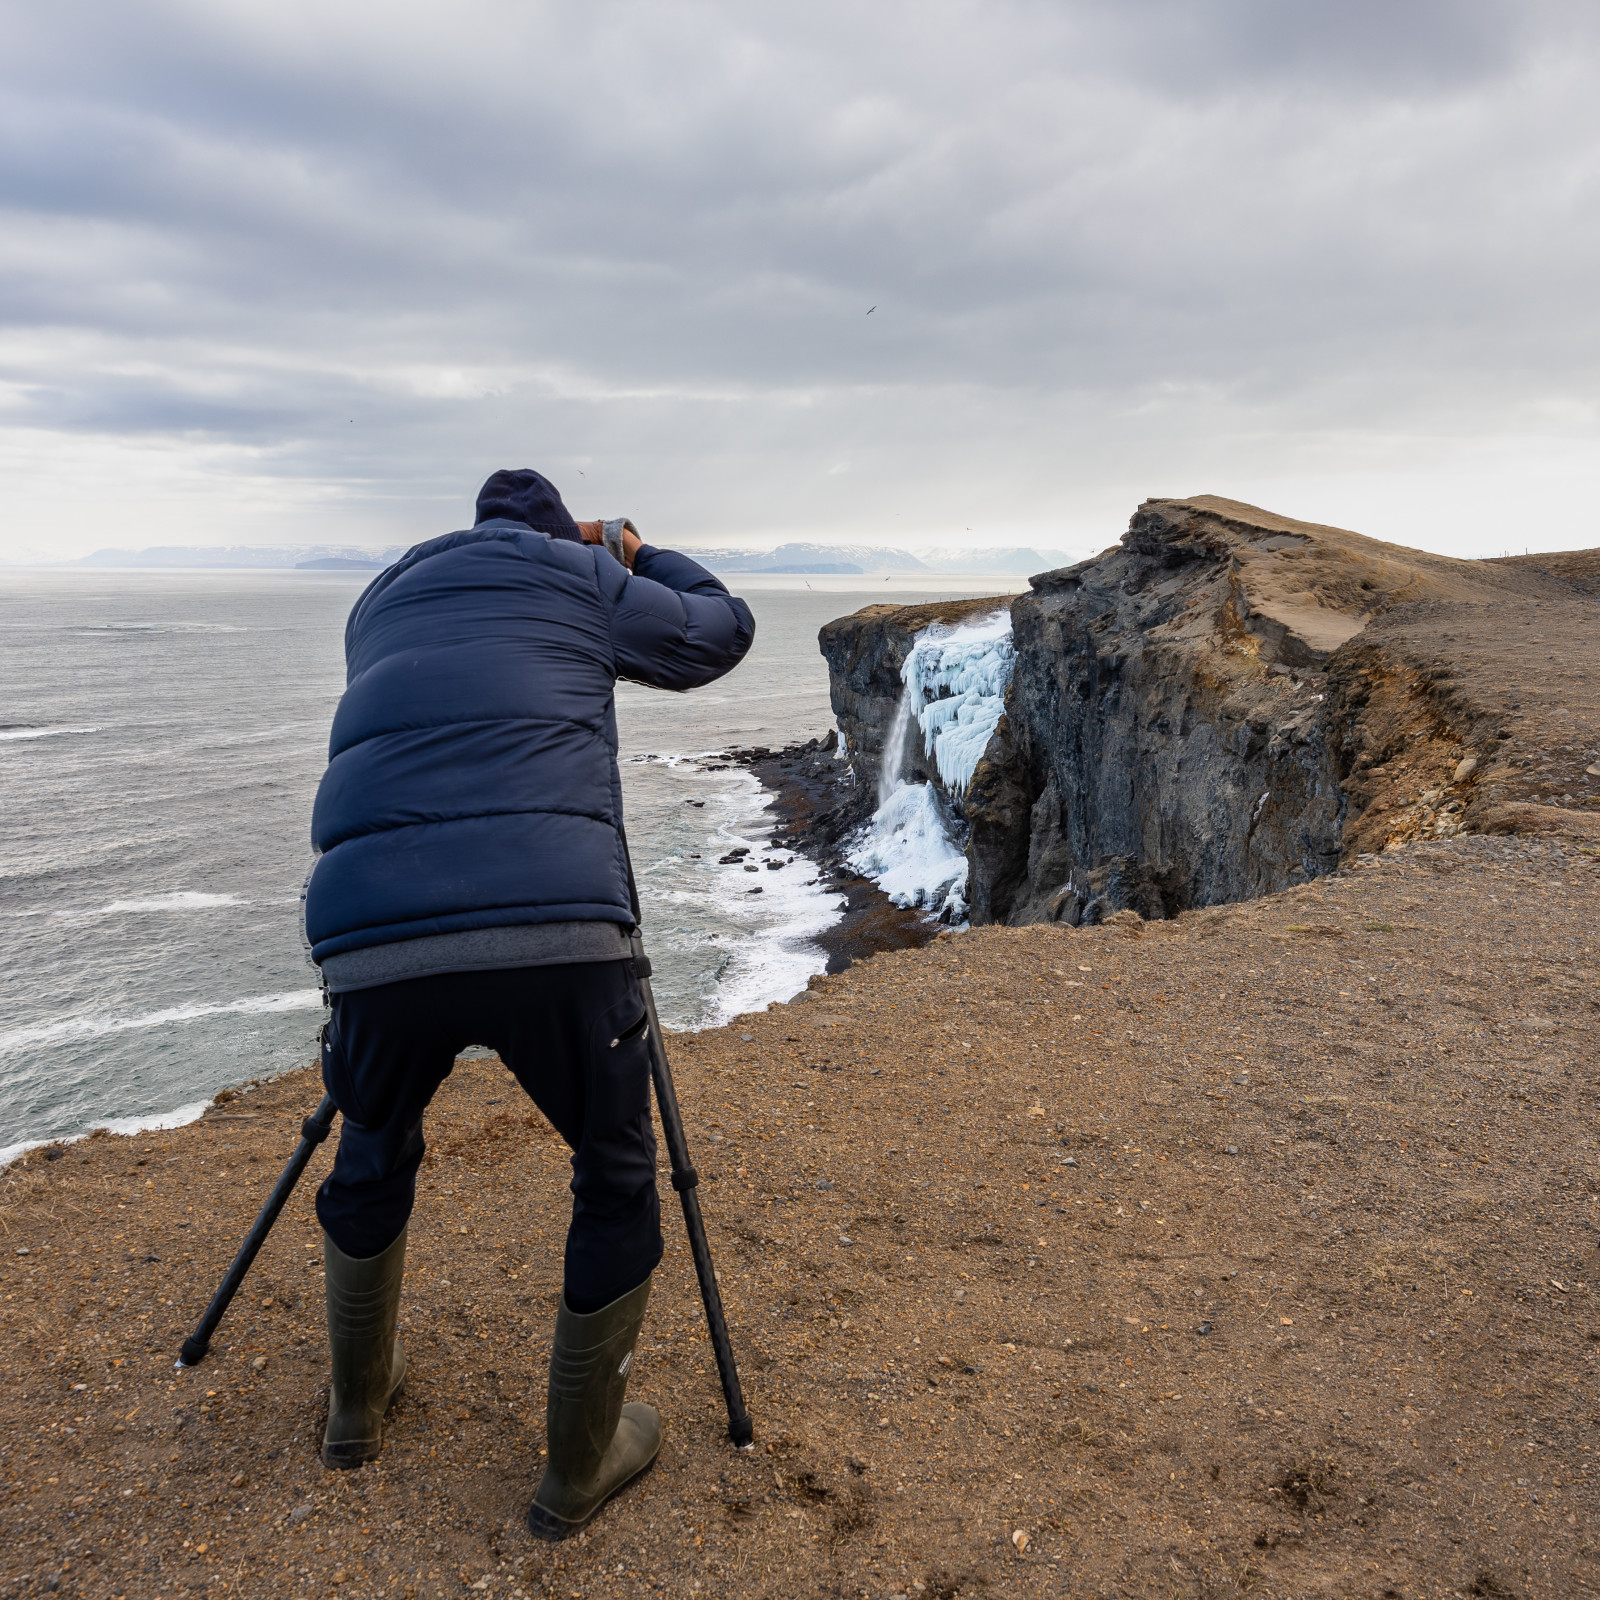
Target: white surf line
[(40, 733), (174, 900), (93, 1027), (155, 1122), (773, 959)]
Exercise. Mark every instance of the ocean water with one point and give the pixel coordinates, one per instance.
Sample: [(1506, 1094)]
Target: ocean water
[(161, 738)]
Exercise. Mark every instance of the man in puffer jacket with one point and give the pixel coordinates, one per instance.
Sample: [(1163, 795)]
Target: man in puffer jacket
[(472, 888)]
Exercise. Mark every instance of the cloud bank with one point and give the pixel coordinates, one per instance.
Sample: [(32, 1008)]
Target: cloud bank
[(297, 273)]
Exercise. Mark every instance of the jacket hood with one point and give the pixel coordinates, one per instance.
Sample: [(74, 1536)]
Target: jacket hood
[(524, 496)]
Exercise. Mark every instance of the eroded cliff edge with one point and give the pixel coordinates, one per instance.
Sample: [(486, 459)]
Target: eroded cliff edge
[(1229, 702)]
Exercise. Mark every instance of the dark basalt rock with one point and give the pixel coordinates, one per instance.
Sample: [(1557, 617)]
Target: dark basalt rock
[(1195, 712), (1151, 759)]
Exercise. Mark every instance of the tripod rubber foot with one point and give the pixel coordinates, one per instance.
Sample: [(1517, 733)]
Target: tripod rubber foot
[(741, 1430), (193, 1351)]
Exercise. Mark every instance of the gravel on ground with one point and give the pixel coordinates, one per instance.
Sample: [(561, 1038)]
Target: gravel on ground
[(1250, 1252)]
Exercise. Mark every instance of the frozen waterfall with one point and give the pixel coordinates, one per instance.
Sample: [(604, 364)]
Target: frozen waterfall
[(955, 684)]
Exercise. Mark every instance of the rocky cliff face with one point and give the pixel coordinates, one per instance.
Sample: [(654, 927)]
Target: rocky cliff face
[(1228, 702)]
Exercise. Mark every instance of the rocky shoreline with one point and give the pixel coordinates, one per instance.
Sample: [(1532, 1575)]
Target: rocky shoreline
[(818, 806)]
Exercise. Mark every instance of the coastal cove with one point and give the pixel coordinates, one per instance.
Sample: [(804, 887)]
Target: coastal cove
[(164, 734)]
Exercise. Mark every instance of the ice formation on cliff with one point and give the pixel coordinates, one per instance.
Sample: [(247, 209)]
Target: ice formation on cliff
[(955, 684), (956, 679), (908, 849)]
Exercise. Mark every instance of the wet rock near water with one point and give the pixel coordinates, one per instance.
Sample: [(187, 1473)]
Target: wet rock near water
[(819, 805)]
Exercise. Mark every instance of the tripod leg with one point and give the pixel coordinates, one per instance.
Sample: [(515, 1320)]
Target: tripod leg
[(685, 1180), (313, 1131)]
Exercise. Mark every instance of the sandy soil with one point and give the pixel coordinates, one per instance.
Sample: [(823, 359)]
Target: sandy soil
[(1253, 1252)]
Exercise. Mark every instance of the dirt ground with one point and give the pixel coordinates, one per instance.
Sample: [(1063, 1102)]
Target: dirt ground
[(1248, 1253)]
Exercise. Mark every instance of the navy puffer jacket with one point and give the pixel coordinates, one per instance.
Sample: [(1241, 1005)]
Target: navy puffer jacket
[(472, 775)]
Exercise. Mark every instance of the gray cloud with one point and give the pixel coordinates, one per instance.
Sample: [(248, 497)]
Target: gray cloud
[(338, 262)]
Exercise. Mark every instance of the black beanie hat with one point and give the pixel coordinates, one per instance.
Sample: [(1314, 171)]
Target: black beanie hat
[(524, 496)]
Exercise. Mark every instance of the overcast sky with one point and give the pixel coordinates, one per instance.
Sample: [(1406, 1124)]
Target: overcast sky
[(284, 272)]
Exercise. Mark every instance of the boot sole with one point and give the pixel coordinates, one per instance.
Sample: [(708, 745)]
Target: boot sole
[(552, 1529), (353, 1453)]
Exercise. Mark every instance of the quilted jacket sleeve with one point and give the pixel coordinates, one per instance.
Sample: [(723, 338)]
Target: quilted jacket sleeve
[(674, 625)]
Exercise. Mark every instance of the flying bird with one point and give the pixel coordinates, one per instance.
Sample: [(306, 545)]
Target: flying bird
[(871, 309)]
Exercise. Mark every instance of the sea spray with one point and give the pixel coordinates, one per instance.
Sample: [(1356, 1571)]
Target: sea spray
[(955, 681)]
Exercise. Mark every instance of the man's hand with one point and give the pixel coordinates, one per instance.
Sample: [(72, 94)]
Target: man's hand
[(594, 533)]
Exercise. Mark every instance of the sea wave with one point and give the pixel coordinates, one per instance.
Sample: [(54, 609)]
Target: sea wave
[(159, 627), (65, 1029), (157, 1121), (772, 951), (174, 900), (41, 733)]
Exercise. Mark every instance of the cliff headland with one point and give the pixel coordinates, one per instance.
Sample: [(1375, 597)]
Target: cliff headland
[(1218, 1218), (1230, 702)]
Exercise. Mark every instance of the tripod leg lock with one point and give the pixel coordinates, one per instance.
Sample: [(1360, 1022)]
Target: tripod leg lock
[(688, 1178), (315, 1132)]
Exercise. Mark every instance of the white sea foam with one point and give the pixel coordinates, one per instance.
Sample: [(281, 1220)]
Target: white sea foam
[(176, 900), (154, 1123), (178, 1118), (779, 952), (66, 1029), (955, 686), (40, 733), (10, 1152), (767, 940)]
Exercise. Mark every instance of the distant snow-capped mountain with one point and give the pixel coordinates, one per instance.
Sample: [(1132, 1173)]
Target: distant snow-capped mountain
[(854, 559), (810, 558), (1018, 559), (794, 559)]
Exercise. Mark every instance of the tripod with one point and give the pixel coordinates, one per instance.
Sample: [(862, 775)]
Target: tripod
[(684, 1179)]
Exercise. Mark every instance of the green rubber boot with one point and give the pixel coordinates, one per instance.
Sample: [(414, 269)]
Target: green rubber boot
[(369, 1363), (596, 1443)]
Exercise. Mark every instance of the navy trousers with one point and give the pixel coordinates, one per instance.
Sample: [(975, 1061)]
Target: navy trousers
[(575, 1038)]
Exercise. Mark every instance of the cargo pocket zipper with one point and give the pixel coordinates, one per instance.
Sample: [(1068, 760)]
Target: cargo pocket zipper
[(633, 1031)]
